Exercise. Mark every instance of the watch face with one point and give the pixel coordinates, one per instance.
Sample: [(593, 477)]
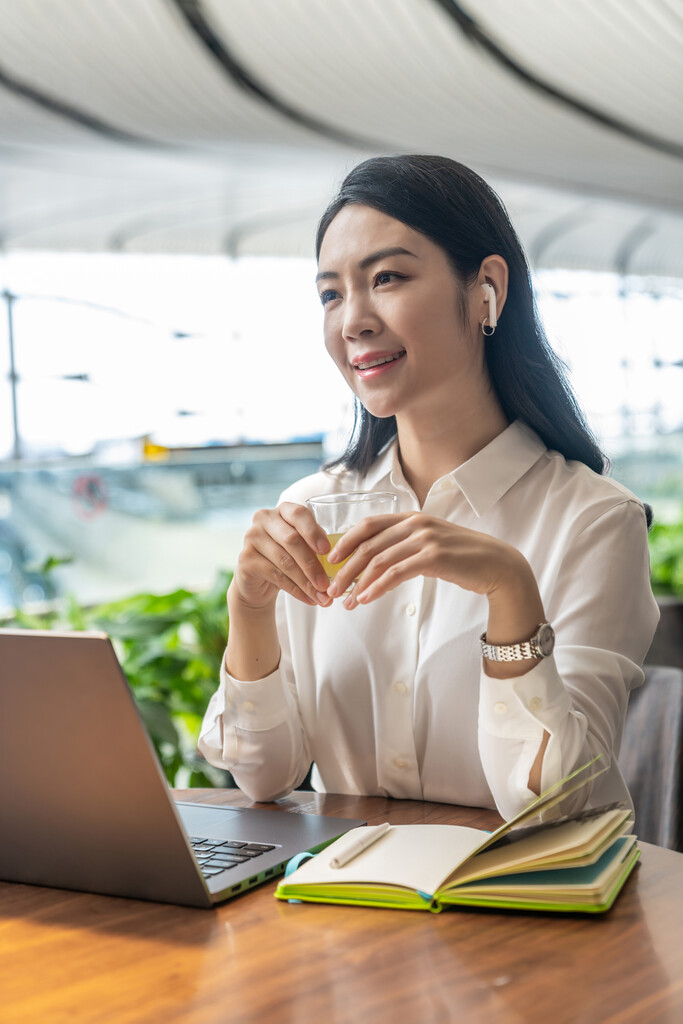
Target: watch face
[(546, 639)]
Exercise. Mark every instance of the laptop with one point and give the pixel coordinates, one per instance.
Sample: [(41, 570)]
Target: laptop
[(84, 803)]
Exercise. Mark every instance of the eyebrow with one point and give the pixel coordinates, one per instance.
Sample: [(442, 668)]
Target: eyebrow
[(367, 261)]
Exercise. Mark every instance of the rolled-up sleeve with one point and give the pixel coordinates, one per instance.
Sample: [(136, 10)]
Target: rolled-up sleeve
[(604, 617)]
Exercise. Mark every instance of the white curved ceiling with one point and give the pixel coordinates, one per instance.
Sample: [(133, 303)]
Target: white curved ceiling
[(224, 125)]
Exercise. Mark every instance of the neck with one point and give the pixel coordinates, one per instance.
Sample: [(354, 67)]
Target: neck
[(431, 446)]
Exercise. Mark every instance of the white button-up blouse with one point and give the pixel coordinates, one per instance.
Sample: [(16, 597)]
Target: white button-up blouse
[(392, 698)]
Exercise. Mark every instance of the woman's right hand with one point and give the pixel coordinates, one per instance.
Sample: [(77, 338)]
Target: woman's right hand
[(279, 553)]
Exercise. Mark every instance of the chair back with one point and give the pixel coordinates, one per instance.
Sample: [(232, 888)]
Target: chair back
[(651, 757)]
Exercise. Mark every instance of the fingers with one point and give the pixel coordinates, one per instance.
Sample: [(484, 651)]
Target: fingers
[(256, 592), (304, 523), (363, 530), (259, 579), (279, 553), (399, 572), (394, 549), (386, 571), (364, 546)]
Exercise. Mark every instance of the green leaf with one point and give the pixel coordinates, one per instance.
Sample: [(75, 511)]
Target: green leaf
[(666, 557), (51, 562), (159, 723), (26, 620), (75, 614)]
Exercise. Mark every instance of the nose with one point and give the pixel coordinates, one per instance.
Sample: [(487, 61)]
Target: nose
[(360, 320)]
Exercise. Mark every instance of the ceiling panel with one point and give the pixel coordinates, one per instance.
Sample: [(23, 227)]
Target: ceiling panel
[(224, 125)]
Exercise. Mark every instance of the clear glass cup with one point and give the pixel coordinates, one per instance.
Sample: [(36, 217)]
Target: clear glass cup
[(337, 513)]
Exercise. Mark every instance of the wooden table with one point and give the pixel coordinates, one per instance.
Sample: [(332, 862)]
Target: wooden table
[(85, 959)]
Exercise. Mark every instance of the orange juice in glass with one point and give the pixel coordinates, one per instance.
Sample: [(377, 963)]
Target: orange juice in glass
[(337, 513)]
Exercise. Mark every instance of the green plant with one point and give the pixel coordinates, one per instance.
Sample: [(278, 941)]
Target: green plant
[(666, 558), (170, 647)]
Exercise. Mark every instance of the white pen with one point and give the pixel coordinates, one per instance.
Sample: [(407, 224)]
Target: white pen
[(370, 837)]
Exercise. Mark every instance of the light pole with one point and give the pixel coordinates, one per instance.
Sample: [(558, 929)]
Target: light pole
[(13, 377)]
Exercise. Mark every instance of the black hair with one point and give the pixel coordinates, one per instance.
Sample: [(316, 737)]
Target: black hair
[(457, 210)]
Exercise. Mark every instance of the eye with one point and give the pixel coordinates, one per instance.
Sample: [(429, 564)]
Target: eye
[(386, 276), (327, 295)]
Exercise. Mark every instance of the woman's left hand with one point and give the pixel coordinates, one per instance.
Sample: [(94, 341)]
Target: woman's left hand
[(385, 551)]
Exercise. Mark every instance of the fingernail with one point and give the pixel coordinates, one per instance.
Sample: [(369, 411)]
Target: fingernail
[(322, 546), (349, 602), (333, 590), (322, 582)]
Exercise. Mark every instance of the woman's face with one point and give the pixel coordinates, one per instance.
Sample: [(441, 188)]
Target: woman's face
[(393, 321)]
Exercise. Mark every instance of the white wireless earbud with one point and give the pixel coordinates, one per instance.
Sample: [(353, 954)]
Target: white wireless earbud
[(492, 318)]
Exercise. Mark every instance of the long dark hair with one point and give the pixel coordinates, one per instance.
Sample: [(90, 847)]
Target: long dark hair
[(455, 208)]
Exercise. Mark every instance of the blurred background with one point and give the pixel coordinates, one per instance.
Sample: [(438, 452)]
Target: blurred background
[(162, 167)]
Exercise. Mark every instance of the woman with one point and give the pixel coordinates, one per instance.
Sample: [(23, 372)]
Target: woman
[(506, 526)]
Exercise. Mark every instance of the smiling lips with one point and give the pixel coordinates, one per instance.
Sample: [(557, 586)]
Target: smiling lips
[(375, 360)]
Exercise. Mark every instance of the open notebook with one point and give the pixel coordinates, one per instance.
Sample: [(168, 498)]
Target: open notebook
[(573, 863)]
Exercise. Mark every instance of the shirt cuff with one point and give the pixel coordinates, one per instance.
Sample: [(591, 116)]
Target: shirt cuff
[(256, 705), (515, 708)]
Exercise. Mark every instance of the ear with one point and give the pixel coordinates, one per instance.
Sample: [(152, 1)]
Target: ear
[(492, 282)]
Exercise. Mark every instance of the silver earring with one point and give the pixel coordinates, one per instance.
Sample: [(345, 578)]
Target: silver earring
[(487, 329)]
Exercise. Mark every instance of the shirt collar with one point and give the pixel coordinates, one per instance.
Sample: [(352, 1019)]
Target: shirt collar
[(385, 466), (484, 478), (490, 474)]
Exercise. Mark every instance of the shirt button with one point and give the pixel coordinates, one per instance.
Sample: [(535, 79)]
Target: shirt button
[(400, 763), (247, 706), (535, 703), (410, 609), (500, 708), (400, 687)]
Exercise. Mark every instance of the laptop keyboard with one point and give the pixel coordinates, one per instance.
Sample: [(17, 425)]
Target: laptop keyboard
[(216, 855)]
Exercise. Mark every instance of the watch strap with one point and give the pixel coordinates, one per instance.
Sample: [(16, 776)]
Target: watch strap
[(515, 652)]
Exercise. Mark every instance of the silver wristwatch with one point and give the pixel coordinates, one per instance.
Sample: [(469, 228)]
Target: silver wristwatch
[(540, 646)]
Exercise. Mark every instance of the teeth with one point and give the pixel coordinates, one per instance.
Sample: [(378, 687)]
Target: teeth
[(378, 362)]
